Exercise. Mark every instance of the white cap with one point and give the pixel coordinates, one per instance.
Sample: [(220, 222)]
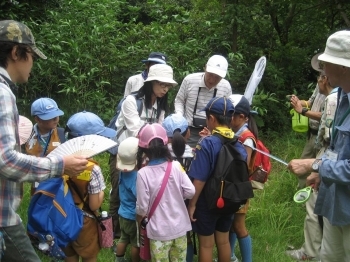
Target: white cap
[(218, 65), (104, 214)]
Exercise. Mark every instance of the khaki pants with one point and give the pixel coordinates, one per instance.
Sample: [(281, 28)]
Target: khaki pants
[(335, 243), (312, 229)]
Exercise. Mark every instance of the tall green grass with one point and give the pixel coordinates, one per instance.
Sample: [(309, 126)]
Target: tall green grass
[(274, 221)]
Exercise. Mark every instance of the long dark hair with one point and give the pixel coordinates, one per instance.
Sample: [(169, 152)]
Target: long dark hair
[(252, 126), (146, 91), (156, 150)]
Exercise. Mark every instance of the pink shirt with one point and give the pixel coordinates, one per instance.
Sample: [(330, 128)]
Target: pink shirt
[(170, 219)]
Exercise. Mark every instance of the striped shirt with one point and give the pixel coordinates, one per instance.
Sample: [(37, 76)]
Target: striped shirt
[(15, 167), (187, 95), (97, 182)]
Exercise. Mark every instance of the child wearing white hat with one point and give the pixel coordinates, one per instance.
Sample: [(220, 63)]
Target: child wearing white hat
[(126, 163)]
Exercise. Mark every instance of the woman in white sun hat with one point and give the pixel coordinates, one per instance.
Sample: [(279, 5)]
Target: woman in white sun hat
[(154, 96)]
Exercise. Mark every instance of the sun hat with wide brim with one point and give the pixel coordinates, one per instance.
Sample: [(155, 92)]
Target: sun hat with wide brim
[(162, 73), (337, 49), (315, 63), (25, 128)]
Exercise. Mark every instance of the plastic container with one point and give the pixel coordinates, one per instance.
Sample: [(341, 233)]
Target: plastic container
[(300, 123), (104, 214)]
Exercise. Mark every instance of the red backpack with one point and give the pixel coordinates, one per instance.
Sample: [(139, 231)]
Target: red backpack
[(261, 167)]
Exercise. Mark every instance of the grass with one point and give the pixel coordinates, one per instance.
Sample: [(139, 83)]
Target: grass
[(274, 221)]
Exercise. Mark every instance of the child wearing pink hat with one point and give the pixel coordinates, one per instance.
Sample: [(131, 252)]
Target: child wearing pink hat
[(169, 223)]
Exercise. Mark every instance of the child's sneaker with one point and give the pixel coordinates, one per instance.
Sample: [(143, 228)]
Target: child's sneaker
[(299, 255), (234, 259)]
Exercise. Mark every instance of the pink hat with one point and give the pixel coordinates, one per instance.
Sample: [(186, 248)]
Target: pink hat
[(25, 128), (150, 132)]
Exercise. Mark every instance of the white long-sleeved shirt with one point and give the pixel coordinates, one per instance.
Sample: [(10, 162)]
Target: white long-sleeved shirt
[(129, 117), (133, 84), (186, 97)]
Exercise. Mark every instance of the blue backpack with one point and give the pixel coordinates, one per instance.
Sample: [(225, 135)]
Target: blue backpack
[(53, 218)]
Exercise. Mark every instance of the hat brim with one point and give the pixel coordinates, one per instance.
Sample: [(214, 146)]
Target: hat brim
[(125, 167), (38, 52), (51, 115), (334, 60), (216, 71), (153, 60), (315, 63), (162, 79), (108, 132)]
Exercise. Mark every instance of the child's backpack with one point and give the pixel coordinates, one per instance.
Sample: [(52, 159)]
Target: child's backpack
[(53, 218), (262, 164), (228, 187), (55, 215)]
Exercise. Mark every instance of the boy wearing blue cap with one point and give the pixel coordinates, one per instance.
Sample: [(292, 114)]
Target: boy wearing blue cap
[(46, 136), (91, 192), (211, 228)]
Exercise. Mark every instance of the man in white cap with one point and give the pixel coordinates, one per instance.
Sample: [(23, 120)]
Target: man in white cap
[(332, 171), (17, 52), (196, 91)]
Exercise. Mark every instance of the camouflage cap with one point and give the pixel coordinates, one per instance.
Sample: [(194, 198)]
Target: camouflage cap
[(16, 32)]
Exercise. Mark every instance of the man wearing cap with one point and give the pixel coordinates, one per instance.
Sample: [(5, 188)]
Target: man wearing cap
[(46, 136), (313, 110), (197, 89), (331, 172), (135, 82), (17, 51)]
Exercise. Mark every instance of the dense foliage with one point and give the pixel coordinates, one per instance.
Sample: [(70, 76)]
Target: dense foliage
[(95, 45)]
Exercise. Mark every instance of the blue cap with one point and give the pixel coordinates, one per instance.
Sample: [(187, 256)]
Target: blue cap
[(220, 106), (87, 123), (155, 57), (45, 108), (173, 122)]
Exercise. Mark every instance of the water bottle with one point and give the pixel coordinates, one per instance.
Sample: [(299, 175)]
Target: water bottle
[(104, 215)]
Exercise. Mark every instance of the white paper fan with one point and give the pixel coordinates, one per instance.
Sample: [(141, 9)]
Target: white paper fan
[(25, 128), (87, 146), (255, 79)]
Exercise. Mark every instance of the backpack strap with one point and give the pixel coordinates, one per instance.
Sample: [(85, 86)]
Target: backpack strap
[(61, 135), (244, 136), (161, 190), (10, 84), (247, 134), (71, 185)]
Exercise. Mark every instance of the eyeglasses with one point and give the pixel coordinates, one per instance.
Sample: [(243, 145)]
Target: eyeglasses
[(164, 85), (320, 77), (321, 65)]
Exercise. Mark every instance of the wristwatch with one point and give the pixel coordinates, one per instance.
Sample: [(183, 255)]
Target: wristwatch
[(304, 110), (315, 165)]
